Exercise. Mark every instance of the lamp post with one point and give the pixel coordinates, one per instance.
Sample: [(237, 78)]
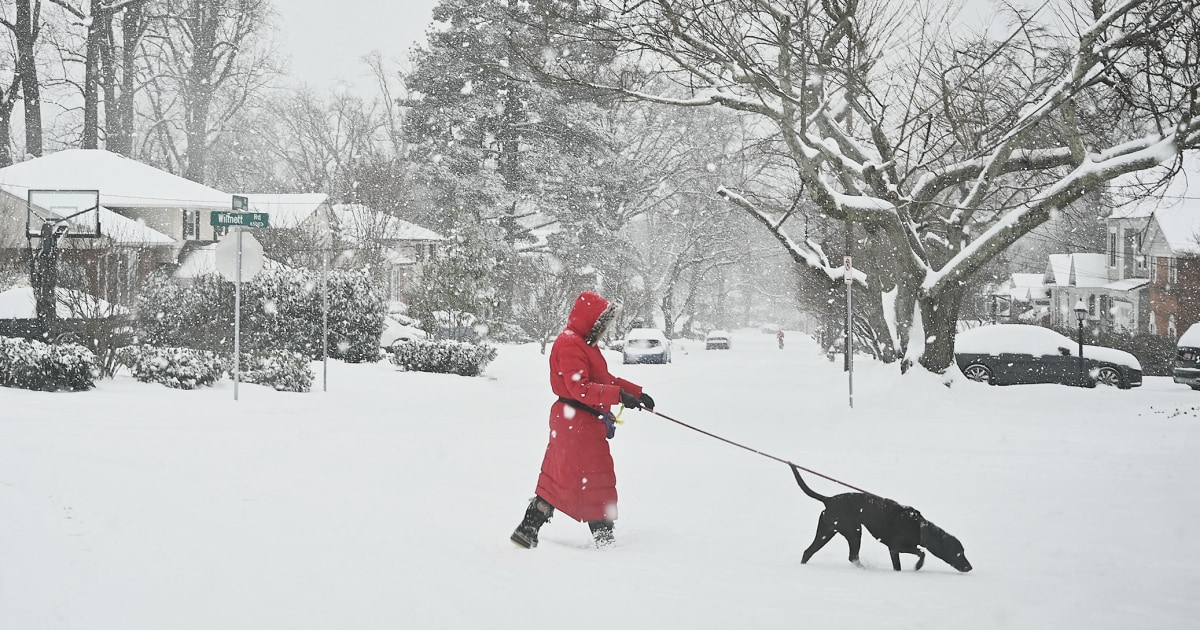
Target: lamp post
[(1081, 312)]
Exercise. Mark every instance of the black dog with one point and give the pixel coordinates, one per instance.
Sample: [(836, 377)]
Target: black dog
[(900, 527)]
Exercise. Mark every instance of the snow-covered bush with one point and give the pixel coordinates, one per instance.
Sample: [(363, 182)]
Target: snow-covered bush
[(442, 356), (180, 368), (281, 310), (31, 364), (284, 370)]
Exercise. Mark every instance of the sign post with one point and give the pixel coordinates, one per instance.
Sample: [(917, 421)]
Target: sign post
[(239, 258), (848, 274)]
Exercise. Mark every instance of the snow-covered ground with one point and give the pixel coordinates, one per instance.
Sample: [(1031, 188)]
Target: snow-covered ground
[(388, 501)]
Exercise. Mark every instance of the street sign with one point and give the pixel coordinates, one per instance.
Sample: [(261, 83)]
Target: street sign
[(848, 273), (227, 257), (239, 219)]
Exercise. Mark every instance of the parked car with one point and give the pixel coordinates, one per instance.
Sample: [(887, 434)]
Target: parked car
[(718, 340), (646, 345), (1187, 357), (1015, 354), (394, 332)]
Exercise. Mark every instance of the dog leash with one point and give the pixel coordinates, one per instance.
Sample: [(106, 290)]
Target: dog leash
[(757, 452)]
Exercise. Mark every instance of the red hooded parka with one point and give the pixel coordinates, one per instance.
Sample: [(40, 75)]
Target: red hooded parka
[(577, 473)]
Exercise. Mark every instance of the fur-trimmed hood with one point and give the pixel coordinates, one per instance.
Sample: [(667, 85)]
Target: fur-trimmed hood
[(591, 316)]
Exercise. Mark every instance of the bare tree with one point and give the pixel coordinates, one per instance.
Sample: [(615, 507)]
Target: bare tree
[(942, 152), (208, 59), (26, 27)]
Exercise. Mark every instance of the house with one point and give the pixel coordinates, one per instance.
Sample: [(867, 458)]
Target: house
[(1028, 298), (300, 226), (147, 216), (394, 250), (1074, 277), (1154, 240)]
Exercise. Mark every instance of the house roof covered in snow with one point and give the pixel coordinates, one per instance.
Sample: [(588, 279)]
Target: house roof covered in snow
[(288, 211), (122, 182), (1078, 270), (1128, 284), (1027, 287), (122, 230), (1175, 208), (359, 223)]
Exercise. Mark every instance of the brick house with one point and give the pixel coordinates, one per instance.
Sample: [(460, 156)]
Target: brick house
[(1157, 239)]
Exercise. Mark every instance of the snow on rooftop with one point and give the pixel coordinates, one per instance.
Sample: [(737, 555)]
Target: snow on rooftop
[(122, 182), (1079, 270), (287, 211), (20, 303), (358, 222), (1176, 207), (122, 230)]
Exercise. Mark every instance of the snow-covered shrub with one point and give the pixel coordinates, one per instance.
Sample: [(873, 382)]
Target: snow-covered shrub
[(442, 356), (284, 370), (180, 368), (281, 310), (31, 364)]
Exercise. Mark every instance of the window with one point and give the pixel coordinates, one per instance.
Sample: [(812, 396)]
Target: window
[(420, 252), (1154, 269), (1112, 249), (191, 224), (1140, 255), (1152, 324), (1171, 330), (1172, 271), (1092, 308)]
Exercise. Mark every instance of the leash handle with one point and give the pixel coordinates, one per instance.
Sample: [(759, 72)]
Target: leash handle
[(757, 452)]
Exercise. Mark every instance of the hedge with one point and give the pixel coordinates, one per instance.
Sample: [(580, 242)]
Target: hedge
[(442, 356), (31, 364), (281, 310)]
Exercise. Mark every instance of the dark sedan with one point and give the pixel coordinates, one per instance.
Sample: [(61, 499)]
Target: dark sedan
[(1017, 354)]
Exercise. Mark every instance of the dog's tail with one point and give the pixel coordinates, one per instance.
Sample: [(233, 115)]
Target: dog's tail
[(804, 486)]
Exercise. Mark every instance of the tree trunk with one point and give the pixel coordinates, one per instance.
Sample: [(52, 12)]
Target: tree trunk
[(205, 19), (939, 316), (6, 158), (91, 76), (26, 35), (133, 25)]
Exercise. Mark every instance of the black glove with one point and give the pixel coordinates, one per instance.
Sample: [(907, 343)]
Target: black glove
[(647, 401), (629, 400), (610, 425)]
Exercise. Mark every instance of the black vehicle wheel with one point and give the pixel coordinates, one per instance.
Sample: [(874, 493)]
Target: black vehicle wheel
[(1108, 376), (979, 373)]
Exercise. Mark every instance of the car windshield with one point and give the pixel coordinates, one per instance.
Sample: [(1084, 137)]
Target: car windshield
[(644, 344)]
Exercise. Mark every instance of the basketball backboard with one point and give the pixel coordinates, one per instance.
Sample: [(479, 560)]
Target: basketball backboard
[(77, 210)]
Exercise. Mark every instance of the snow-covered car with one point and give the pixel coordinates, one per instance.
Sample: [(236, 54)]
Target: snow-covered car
[(394, 332), (646, 345), (1016, 354), (1187, 357), (718, 340)]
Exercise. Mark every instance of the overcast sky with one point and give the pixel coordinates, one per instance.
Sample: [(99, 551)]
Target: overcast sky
[(326, 38)]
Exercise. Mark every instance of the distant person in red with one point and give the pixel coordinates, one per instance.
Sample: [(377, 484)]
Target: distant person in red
[(779, 338), (577, 475)]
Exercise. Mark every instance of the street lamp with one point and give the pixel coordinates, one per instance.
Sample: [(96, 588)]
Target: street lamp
[(1081, 312)]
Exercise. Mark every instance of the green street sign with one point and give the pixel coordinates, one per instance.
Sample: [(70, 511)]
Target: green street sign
[(239, 219)]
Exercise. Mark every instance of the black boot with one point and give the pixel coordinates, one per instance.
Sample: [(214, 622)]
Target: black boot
[(602, 531), (536, 515)]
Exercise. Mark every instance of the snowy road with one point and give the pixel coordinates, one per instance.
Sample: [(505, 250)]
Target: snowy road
[(387, 502)]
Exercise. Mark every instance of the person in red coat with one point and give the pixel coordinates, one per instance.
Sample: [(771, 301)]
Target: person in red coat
[(577, 475)]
